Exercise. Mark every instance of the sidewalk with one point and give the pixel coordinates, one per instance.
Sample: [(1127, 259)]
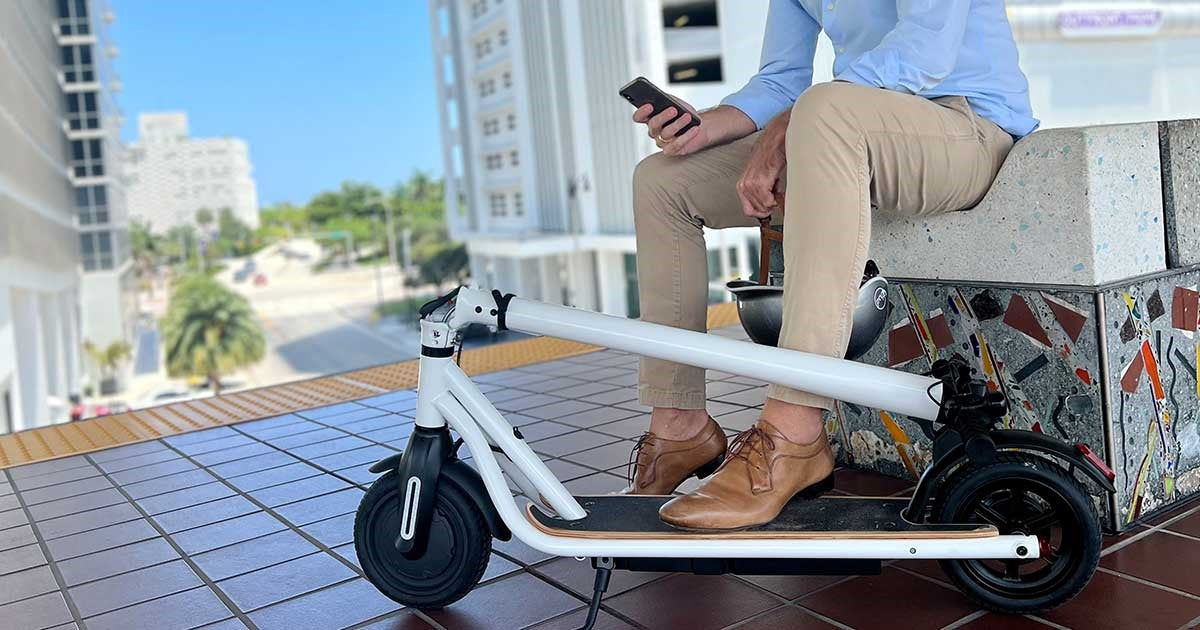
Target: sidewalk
[(249, 525)]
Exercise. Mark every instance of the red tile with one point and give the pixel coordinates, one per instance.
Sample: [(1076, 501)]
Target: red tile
[(513, 602), (694, 602), (575, 619), (1110, 601), (788, 617), (1176, 510), (868, 484), (580, 577), (895, 596), (994, 621), (1161, 558), (929, 568), (792, 586), (1109, 540)]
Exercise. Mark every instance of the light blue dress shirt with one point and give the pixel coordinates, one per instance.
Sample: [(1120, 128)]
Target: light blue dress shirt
[(930, 48)]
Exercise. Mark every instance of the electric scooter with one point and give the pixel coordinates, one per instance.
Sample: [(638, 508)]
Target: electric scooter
[(1006, 512)]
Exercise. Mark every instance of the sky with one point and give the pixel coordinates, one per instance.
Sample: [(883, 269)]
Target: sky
[(321, 94)]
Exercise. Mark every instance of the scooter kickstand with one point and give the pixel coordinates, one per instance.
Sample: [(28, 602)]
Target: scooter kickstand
[(604, 567)]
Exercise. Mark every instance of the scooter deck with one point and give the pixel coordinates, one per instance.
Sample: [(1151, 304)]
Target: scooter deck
[(826, 517)]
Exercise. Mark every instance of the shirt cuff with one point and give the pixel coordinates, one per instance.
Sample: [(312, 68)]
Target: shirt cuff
[(759, 108)]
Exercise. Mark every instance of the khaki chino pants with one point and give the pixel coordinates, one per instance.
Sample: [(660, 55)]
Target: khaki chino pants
[(850, 148)]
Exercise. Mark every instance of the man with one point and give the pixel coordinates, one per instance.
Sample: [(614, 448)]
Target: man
[(926, 103)]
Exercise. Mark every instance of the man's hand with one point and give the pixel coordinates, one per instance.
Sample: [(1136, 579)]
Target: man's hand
[(760, 180), (717, 126)]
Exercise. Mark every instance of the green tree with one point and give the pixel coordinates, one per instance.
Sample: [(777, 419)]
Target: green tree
[(234, 238), (204, 218), (147, 250), (209, 330), (108, 358)]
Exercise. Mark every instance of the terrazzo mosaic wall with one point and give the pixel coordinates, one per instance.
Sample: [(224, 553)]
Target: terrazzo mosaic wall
[(1040, 348), (1155, 409)]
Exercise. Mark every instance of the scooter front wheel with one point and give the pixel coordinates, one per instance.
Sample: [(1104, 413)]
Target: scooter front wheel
[(1020, 493), (455, 556)]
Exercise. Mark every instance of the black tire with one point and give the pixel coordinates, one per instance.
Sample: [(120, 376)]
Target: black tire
[(455, 558), (1005, 493)]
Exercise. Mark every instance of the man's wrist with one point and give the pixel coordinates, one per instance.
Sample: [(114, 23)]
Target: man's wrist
[(727, 123)]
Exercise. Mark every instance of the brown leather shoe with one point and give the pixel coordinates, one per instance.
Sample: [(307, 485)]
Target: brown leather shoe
[(663, 464), (761, 474)]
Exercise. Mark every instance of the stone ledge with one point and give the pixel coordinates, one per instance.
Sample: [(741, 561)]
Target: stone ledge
[(1180, 142), (1078, 206)]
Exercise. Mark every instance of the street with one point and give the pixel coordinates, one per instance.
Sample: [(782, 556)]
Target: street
[(320, 323)]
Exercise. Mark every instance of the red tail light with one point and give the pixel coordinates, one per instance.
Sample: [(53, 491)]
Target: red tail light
[(1095, 461)]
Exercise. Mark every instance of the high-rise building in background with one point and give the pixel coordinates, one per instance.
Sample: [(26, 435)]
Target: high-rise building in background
[(65, 272), (539, 151), (171, 176)]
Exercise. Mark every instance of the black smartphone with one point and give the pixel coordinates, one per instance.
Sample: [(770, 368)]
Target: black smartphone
[(641, 91)]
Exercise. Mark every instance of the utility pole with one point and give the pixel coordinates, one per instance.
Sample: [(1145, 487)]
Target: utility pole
[(391, 234), (379, 274), (407, 236)]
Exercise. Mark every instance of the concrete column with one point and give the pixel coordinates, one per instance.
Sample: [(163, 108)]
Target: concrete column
[(31, 363), (581, 280), (72, 343), (610, 272), (52, 338), (9, 375), (549, 268)]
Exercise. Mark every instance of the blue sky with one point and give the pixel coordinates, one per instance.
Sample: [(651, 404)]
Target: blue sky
[(321, 94)]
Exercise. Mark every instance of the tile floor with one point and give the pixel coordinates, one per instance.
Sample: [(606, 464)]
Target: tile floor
[(250, 526)]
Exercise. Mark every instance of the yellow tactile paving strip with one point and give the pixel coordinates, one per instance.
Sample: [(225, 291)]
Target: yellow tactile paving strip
[(61, 440)]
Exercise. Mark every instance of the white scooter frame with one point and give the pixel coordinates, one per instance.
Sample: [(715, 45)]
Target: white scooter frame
[(446, 395), (990, 496)]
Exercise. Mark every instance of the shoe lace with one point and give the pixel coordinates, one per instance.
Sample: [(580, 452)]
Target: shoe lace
[(631, 467), (748, 442)]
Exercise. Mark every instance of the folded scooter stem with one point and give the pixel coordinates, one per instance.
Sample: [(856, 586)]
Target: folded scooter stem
[(858, 383)]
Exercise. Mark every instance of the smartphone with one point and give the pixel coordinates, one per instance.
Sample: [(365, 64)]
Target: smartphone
[(641, 91)]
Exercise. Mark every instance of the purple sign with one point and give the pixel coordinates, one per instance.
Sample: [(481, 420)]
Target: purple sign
[(1100, 22)]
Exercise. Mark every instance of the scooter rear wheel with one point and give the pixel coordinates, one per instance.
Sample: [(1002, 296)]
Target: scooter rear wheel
[(455, 556), (1021, 493)]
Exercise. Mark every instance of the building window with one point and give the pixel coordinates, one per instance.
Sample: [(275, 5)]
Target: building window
[(502, 37), (86, 158), (518, 204), (696, 71), (513, 158), (77, 63), (487, 88), (483, 48), (82, 112), (97, 250), (92, 204), (499, 204), (694, 14), (512, 122), (478, 8), (73, 17), (507, 79)]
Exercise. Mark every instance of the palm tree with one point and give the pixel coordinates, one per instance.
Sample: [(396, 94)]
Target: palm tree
[(107, 359), (209, 331)]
